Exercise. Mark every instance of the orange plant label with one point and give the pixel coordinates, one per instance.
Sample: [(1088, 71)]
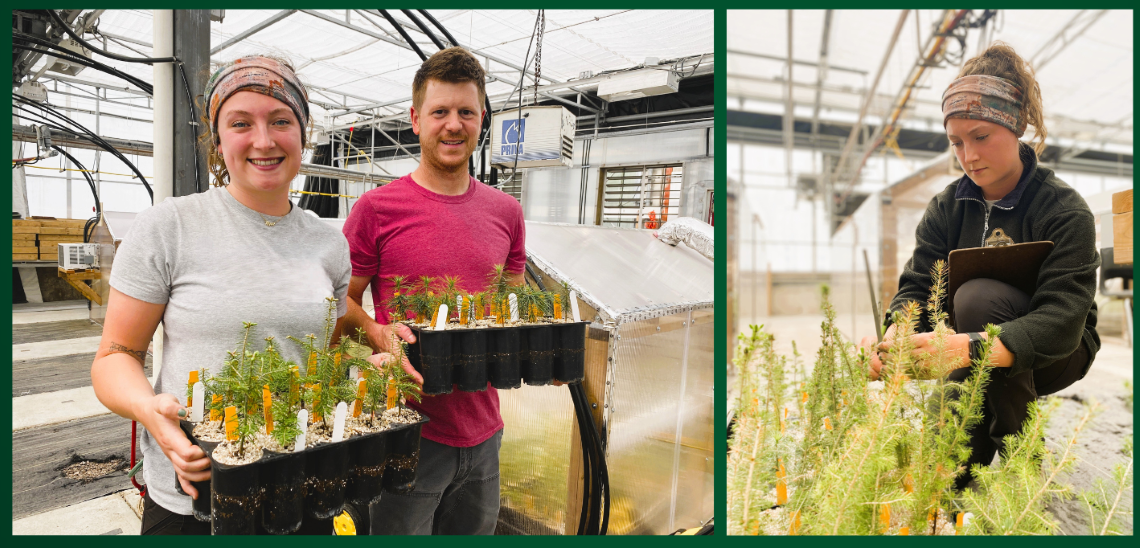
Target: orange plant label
[(795, 528), (804, 397), (479, 307), (216, 415), (827, 423), (558, 307), (393, 393), (904, 531), (336, 360), (358, 405), (316, 400), (294, 385), (781, 492), (231, 423), (267, 405), (885, 516), (908, 483)]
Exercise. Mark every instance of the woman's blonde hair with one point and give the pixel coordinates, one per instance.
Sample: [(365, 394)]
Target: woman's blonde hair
[(1000, 60), (215, 164)]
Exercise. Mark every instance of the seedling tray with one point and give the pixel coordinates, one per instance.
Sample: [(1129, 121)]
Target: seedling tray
[(279, 489), (505, 357)]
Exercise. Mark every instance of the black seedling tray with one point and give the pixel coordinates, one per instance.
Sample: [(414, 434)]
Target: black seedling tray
[(280, 489), (469, 358)]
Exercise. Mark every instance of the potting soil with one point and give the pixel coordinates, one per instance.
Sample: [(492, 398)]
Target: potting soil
[(227, 452), (210, 431)]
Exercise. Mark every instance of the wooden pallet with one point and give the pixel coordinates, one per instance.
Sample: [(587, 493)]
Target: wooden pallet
[(76, 277), (1122, 227)]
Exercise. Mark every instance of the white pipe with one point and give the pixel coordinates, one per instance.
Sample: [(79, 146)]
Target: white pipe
[(163, 128)]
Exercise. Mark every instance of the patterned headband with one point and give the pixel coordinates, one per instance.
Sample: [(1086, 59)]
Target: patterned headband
[(989, 98), (262, 75)]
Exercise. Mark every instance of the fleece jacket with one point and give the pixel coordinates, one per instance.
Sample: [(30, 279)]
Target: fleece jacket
[(1041, 208)]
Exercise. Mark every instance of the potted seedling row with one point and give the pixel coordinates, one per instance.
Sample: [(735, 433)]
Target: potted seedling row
[(504, 335), (288, 441)]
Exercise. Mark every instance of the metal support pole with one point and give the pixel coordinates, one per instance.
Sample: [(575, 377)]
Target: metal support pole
[(192, 46)]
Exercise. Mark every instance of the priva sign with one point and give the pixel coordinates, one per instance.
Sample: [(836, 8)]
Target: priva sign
[(514, 135)]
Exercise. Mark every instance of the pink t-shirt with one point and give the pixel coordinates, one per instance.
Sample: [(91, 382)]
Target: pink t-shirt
[(404, 229)]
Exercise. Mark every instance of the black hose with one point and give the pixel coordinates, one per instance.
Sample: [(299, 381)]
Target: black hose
[(404, 33), (148, 60), (65, 54), (423, 28), (86, 175), (87, 134)]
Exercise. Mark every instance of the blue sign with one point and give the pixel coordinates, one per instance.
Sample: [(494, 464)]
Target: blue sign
[(514, 134), (514, 131)]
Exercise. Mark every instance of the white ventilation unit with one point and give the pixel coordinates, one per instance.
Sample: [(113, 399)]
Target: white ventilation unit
[(636, 84), (78, 256), (66, 67), (543, 136)]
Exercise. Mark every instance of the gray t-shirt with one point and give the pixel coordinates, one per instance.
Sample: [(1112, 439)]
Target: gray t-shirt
[(215, 264)]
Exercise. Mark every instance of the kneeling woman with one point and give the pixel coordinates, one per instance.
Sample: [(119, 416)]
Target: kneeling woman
[(1048, 339), (205, 263)]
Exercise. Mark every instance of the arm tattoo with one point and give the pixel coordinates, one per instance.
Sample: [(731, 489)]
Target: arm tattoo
[(117, 348)]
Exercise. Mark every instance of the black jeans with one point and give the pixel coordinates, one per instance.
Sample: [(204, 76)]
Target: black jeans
[(1006, 406), (457, 493)]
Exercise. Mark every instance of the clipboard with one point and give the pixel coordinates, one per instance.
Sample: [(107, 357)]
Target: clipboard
[(1018, 265)]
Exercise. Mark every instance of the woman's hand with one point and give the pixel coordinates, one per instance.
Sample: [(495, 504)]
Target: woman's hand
[(868, 344), (160, 415)]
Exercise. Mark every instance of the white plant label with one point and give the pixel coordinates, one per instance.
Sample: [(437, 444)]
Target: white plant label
[(574, 306), (338, 421), (354, 372), (303, 424), (441, 318), (514, 307), (199, 395), (459, 302), (471, 309)]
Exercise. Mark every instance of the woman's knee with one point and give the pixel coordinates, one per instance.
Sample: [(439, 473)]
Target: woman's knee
[(982, 301)]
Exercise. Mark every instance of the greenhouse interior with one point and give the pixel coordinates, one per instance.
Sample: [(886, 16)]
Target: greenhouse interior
[(546, 178), (843, 191)]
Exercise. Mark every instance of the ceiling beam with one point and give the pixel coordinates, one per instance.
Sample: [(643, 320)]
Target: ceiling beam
[(1068, 34), (821, 74), (275, 18)]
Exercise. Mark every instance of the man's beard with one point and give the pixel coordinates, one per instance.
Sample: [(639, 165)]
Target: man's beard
[(430, 154)]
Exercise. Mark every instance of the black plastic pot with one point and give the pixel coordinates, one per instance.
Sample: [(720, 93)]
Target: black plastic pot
[(201, 505), (326, 469), (367, 458), (431, 356), (470, 351), (234, 498), (283, 481), (403, 456), (537, 363), (569, 351), (503, 358)]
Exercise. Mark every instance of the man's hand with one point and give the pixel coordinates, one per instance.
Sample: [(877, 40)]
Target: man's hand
[(382, 359), (159, 415)]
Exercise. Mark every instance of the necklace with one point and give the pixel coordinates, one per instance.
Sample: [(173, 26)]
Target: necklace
[(271, 223)]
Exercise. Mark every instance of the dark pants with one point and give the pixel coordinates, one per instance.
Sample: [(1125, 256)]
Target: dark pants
[(1006, 406), (457, 493), (157, 520)]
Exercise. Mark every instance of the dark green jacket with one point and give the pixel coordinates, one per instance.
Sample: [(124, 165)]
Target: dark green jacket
[(1040, 208)]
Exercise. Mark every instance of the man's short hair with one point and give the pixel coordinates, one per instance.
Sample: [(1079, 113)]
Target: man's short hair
[(453, 66)]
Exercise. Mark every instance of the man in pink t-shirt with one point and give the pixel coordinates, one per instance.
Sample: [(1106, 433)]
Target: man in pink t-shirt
[(438, 221)]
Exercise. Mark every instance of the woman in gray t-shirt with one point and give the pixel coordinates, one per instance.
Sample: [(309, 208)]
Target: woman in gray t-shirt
[(205, 263)]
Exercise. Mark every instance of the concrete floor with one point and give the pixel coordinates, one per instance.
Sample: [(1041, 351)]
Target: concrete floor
[(1099, 449)]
